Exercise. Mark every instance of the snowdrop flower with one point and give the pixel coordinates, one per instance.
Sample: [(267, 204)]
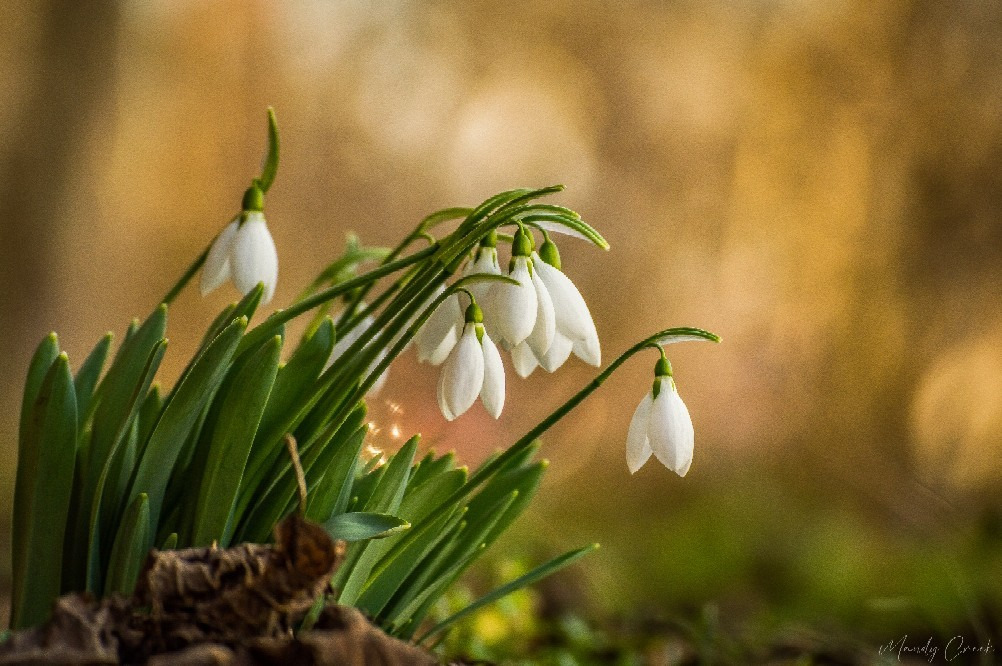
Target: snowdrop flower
[(473, 369), (573, 319), (514, 308), (244, 251), (574, 328), (661, 425), (439, 334), (485, 261)]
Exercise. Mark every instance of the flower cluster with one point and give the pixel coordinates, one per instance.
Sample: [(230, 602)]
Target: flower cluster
[(540, 317), (537, 315)]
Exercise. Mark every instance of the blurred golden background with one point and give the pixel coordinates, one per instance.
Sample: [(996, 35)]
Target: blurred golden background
[(820, 183)]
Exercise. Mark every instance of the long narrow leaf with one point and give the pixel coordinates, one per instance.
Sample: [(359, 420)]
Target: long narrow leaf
[(179, 416), (44, 493), (232, 437), (537, 574), (129, 550)]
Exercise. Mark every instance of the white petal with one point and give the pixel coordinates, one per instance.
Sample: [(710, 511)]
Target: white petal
[(440, 333), (557, 354), (492, 393), (523, 359), (253, 257), (462, 375), (573, 317), (542, 333), (514, 308), (638, 449), (589, 349), (446, 412), (670, 431), (485, 262), (216, 269)]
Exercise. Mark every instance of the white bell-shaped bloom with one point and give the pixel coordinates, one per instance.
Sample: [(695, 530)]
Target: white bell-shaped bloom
[(573, 319), (246, 252), (350, 338), (513, 308), (662, 426), (485, 261), (473, 369), (440, 333), (541, 338)]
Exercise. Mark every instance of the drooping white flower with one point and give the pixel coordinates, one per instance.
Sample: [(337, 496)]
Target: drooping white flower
[(513, 308), (473, 369), (246, 252), (661, 425), (485, 261), (573, 319), (439, 334)]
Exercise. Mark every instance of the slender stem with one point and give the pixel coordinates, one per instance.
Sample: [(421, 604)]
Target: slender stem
[(186, 277)]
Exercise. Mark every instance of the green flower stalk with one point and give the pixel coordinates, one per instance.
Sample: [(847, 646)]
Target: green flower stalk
[(111, 465)]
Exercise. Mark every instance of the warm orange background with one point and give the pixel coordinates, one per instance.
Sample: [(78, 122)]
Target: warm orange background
[(817, 182)]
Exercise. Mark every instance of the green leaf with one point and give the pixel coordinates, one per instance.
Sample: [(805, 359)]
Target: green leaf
[(537, 574), (179, 416), (96, 520), (294, 384), (239, 415), (115, 392), (270, 168), (88, 374), (278, 497), (329, 495), (362, 526), (385, 498), (38, 369), (42, 493), (133, 541), (170, 543)]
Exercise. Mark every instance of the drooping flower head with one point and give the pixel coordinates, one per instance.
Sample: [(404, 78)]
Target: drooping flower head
[(244, 251), (661, 425), (473, 369)]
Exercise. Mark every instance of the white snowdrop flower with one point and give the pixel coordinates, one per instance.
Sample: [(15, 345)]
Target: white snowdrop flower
[(573, 319), (350, 338), (662, 426), (514, 308), (545, 328), (473, 369), (439, 334), (485, 261), (244, 251)]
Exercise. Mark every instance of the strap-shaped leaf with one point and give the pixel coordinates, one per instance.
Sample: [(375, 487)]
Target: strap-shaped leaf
[(88, 374), (45, 482), (537, 574), (179, 416), (96, 521), (239, 415), (385, 498), (362, 526), (295, 382), (132, 542), (380, 588), (330, 494), (38, 369)]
